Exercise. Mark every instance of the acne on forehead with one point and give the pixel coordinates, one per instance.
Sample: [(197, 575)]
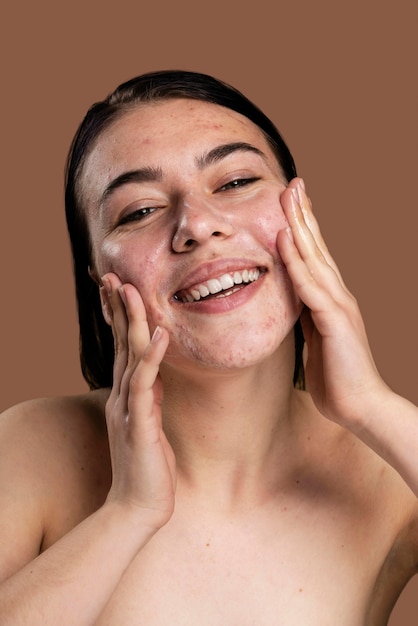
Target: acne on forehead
[(197, 112), (212, 126), (199, 116)]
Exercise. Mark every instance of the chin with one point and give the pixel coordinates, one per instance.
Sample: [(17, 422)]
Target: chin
[(231, 350)]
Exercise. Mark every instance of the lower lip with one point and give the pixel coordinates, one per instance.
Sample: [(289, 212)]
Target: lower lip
[(224, 303)]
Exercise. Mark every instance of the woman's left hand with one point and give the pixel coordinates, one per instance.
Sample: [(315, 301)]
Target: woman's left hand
[(340, 372)]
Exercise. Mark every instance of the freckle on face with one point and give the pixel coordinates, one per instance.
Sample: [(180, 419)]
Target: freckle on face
[(144, 259)]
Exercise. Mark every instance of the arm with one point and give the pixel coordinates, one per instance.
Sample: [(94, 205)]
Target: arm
[(340, 372), (72, 581)]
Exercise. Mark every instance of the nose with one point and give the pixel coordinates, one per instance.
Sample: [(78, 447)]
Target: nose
[(197, 223)]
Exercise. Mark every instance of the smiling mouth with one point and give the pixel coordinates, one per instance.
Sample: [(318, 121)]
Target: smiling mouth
[(220, 287)]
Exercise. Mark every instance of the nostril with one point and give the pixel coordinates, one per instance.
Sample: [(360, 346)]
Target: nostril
[(216, 233), (189, 243)]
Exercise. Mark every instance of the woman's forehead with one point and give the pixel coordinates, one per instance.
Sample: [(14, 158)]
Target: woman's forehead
[(149, 133), (171, 119)]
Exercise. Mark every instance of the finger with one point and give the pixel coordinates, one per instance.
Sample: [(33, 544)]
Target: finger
[(144, 354), (138, 334), (143, 396), (307, 263), (138, 329), (308, 219), (304, 279), (112, 284)]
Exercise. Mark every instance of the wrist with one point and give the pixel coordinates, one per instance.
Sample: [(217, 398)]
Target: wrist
[(130, 516)]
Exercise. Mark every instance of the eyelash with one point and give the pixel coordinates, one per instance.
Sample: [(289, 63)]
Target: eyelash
[(144, 212), (238, 182), (139, 214)]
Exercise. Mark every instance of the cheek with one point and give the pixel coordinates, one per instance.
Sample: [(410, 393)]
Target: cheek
[(124, 261), (132, 257), (112, 257), (131, 267), (269, 222)]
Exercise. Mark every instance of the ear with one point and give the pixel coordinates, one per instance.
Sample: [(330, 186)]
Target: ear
[(104, 298), (106, 308), (94, 275)]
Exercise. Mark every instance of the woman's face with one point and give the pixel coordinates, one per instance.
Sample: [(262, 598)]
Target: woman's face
[(182, 201)]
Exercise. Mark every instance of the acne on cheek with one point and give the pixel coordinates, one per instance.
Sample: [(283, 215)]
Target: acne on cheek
[(271, 224), (113, 258), (117, 258), (269, 215)]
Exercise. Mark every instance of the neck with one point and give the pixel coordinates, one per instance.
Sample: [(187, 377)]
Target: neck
[(231, 430)]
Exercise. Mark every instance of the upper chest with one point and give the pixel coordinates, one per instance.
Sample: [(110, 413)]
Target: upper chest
[(296, 565)]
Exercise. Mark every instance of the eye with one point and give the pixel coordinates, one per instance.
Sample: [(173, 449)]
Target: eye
[(238, 183), (137, 216)]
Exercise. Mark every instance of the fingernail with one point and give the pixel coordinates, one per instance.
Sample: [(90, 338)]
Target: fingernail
[(122, 294), (156, 334), (302, 184), (289, 233), (299, 191), (294, 198)]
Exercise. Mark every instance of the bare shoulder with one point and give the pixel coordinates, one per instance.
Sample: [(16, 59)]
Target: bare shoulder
[(369, 483), (370, 500), (49, 430), (54, 472)]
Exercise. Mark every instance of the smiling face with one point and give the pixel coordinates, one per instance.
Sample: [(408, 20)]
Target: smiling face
[(182, 201)]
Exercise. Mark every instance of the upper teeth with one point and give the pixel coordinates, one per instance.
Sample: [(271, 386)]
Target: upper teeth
[(216, 285)]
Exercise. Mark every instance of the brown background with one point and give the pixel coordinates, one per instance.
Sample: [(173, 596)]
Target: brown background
[(339, 79)]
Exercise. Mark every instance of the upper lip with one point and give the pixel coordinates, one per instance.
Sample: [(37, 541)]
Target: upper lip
[(215, 269)]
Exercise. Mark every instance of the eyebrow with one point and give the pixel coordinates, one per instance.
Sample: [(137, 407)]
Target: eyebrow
[(143, 175), (220, 152), (155, 174)]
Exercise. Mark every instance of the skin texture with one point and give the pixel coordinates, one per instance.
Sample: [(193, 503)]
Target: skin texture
[(217, 493), (247, 218)]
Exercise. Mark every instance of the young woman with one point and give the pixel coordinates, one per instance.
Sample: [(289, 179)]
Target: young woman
[(199, 482)]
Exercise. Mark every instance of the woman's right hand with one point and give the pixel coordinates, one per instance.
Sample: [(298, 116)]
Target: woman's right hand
[(143, 462)]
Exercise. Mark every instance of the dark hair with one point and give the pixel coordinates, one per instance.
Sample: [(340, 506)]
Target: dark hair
[(96, 340)]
